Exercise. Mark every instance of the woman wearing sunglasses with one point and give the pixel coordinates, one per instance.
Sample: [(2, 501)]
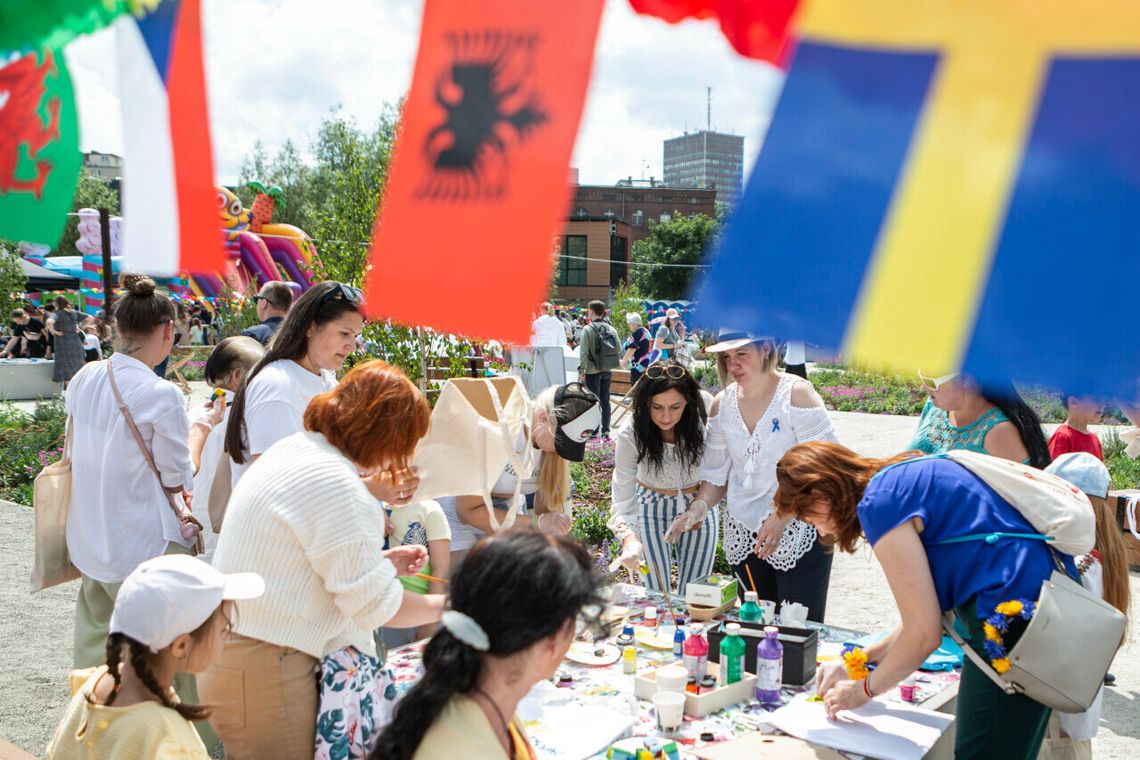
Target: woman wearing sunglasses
[(302, 361), (760, 414), (656, 475), (960, 415)]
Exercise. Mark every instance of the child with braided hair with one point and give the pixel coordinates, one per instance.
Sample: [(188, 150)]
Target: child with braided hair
[(172, 614)]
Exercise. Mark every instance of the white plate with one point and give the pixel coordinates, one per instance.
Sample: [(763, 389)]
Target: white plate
[(601, 653)]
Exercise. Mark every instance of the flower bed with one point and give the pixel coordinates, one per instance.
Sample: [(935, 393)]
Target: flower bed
[(30, 442)]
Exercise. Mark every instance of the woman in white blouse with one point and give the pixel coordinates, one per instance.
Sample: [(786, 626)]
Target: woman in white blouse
[(760, 414), (657, 460)]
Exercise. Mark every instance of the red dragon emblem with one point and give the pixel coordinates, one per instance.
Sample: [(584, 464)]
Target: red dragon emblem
[(22, 89)]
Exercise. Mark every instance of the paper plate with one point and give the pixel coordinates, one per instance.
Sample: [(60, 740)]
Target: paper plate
[(585, 653), (648, 637)]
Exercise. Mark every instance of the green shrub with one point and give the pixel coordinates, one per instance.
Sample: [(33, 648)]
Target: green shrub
[(1124, 470), (29, 442)]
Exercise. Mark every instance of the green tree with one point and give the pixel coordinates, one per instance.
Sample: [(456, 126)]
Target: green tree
[(682, 242), (286, 170), (12, 280), (90, 192), (627, 299)]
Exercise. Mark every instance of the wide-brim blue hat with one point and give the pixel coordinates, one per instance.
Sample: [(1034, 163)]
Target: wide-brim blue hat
[(729, 340)]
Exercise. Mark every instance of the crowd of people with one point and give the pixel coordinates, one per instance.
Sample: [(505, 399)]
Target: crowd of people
[(317, 556)]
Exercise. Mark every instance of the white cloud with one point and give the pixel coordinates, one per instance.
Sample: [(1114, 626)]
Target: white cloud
[(275, 68)]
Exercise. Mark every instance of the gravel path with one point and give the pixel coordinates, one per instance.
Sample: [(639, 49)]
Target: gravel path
[(36, 630)]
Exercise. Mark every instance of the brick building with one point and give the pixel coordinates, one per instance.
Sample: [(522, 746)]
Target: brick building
[(594, 258), (637, 202)]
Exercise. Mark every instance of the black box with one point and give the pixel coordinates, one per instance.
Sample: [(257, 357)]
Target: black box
[(799, 644)]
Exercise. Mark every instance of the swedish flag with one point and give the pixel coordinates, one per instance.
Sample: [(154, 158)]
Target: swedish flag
[(950, 185)]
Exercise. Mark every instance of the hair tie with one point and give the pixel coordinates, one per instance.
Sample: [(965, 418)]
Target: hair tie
[(464, 628)]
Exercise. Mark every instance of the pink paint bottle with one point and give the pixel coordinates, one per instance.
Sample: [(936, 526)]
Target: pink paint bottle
[(696, 652), (907, 689)]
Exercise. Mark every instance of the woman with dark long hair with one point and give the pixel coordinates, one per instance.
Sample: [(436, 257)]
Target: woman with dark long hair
[(657, 459), (514, 607), (914, 515), (962, 415)]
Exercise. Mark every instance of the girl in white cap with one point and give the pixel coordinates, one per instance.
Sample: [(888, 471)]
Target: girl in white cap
[(172, 614)]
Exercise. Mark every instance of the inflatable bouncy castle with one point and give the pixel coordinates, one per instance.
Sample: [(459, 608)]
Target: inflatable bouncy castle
[(259, 249)]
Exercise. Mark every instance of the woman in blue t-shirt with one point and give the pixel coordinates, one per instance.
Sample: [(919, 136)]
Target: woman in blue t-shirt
[(906, 513)]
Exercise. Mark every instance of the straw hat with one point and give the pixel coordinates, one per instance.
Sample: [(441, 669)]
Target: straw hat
[(728, 340)]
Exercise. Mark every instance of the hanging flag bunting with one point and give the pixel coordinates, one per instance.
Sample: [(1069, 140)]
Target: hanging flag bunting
[(168, 170), (39, 146), (54, 23), (479, 190), (937, 179), (755, 28)]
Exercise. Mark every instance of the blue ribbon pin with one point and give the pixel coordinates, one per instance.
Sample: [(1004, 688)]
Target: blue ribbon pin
[(775, 425)]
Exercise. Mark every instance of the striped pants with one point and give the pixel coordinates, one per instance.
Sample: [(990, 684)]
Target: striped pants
[(694, 552)]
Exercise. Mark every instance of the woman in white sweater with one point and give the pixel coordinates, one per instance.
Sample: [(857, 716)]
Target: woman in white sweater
[(657, 461), (303, 518)]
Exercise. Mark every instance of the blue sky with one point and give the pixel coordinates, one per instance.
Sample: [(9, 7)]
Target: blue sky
[(276, 67)]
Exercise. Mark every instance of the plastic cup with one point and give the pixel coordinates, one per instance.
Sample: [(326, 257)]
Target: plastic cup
[(769, 608), (670, 709), (672, 678)]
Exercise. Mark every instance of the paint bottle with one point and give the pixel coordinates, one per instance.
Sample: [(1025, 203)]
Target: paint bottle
[(650, 619), (707, 684), (732, 649), (695, 652), (769, 667), (691, 685), (750, 611), (679, 641), (907, 689), (629, 660), (626, 637)]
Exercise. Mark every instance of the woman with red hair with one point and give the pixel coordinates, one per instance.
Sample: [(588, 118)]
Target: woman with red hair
[(915, 515), (304, 519)]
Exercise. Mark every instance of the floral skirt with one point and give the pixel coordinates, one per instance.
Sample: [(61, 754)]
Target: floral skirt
[(356, 702)]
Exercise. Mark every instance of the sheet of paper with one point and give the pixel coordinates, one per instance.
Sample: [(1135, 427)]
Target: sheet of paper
[(879, 729), (563, 725)]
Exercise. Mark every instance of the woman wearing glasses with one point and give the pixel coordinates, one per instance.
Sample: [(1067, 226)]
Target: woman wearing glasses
[(960, 415), (302, 361), (656, 474), (760, 414)]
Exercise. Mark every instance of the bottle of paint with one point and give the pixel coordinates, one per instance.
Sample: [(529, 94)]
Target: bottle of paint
[(629, 660), (650, 618), (907, 689), (625, 638), (750, 611), (769, 667), (695, 651), (707, 684), (732, 655), (679, 641)]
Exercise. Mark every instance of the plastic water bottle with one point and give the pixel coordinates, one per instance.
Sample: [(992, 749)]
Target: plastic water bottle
[(696, 652), (750, 611), (731, 655), (769, 667)]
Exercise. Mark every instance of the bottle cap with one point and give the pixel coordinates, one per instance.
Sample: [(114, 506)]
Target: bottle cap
[(771, 630), (908, 681), (733, 629), (627, 630), (650, 613), (751, 596), (630, 650), (696, 629)]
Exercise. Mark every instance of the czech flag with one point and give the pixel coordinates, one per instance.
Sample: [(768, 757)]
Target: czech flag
[(950, 186), (168, 184)]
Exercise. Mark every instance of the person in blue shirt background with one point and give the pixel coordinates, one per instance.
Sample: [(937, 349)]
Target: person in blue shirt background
[(905, 512)]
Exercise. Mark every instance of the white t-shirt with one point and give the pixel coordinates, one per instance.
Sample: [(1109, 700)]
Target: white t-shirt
[(119, 515), (91, 342), (204, 481), (275, 405), (795, 353), (548, 331)]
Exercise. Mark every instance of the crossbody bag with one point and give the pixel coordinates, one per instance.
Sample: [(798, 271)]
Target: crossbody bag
[(188, 524)]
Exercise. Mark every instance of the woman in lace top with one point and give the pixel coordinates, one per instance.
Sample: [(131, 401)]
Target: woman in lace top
[(961, 416), (760, 414), (657, 460)]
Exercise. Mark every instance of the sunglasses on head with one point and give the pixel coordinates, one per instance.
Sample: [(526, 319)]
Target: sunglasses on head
[(659, 370), (934, 383), (347, 292)]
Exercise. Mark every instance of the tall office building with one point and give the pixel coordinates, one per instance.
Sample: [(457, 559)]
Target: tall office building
[(708, 160)]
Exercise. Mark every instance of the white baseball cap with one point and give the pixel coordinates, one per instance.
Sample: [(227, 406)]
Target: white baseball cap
[(174, 594), (1084, 471)]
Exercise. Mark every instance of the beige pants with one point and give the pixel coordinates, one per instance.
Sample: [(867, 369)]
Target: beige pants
[(1058, 746), (264, 699)]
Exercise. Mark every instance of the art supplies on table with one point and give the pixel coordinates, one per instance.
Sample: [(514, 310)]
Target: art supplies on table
[(712, 590), (660, 638), (596, 654), (563, 726), (896, 731), (758, 746)]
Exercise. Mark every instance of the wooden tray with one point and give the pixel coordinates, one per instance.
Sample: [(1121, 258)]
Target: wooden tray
[(701, 614)]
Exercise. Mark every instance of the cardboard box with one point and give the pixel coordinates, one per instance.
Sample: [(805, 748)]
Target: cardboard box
[(711, 591), (1118, 504), (800, 646), (700, 705)]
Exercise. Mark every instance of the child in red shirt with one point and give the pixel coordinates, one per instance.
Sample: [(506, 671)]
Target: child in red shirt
[(1073, 434)]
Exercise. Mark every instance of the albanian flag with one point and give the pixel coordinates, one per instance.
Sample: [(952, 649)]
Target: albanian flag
[(479, 189), (755, 28), (39, 146)]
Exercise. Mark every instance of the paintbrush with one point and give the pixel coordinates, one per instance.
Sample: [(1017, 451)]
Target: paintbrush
[(430, 578), (665, 591), (750, 581)]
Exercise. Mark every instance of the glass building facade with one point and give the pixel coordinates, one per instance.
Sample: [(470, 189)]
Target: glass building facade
[(706, 160)]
